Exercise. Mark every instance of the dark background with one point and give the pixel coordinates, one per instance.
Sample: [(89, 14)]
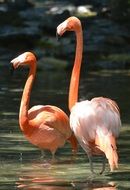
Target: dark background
[(31, 25)]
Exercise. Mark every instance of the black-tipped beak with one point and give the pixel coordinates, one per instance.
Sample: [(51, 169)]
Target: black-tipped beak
[(57, 36), (11, 69)]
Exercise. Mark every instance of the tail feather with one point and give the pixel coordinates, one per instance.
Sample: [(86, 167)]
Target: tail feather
[(111, 154), (107, 144)]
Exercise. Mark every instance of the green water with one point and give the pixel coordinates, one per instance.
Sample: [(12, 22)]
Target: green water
[(21, 165)]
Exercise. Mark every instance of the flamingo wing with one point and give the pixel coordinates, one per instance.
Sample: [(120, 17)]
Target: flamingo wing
[(51, 116), (108, 115), (96, 124), (50, 127), (88, 118)]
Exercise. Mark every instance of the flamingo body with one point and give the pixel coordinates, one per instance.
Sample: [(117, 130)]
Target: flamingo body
[(45, 126), (50, 127), (95, 123)]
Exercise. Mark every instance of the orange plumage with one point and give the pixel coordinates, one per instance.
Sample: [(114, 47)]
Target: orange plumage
[(45, 126)]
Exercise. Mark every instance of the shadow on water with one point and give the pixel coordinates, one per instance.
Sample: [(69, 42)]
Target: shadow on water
[(21, 166)]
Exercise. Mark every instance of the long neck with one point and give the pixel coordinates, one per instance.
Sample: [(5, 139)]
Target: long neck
[(23, 114), (74, 82)]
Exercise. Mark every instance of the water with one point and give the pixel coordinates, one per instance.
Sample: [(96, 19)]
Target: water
[(21, 165)]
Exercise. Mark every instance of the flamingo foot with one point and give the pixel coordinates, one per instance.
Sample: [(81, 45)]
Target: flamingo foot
[(91, 165)]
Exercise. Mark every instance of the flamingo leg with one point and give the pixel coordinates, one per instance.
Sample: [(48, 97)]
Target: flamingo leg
[(53, 159), (53, 156), (103, 165), (21, 156), (42, 154), (91, 164)]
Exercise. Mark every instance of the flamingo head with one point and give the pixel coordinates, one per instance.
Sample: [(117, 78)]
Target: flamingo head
[(23, 59), (70, 24)]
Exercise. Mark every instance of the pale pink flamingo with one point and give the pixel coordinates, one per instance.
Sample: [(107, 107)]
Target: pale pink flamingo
[(45, 126), (95, 123)]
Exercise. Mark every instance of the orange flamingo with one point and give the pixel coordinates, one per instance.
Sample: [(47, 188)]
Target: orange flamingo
[(95, 123), (44, 126)]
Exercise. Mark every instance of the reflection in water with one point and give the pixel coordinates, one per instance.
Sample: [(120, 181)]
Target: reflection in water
[(37, 177), (40, 176), (20, 164), (105, 188)]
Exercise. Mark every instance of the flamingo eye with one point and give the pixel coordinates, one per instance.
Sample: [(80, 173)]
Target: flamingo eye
[(70, 27), (112, 146)]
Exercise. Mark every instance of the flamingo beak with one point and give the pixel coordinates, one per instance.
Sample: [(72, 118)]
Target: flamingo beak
[(11, 69), (58, 37), (14, 64)]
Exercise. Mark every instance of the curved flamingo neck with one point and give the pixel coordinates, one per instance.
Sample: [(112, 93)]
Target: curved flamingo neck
[(23, 114), (74, 82)]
